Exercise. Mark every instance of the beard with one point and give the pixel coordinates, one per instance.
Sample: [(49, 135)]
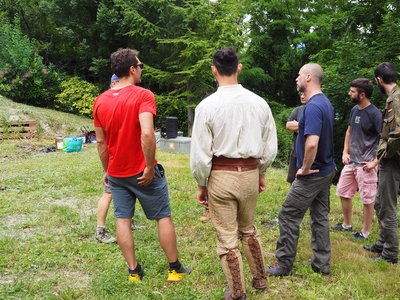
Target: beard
[(301, 88), (355, 100), (381, 88)]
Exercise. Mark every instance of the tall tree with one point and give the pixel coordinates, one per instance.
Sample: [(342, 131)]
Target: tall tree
[(274, 27), (64, 30), (362, 44), (348, 38), (177, 39)]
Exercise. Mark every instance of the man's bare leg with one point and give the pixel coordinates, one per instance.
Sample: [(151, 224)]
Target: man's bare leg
[(368, 216), (102, 209), (126, 242), (347, 210), (167, 238)]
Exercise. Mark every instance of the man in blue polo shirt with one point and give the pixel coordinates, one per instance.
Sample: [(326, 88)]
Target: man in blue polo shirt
[(310, 189)]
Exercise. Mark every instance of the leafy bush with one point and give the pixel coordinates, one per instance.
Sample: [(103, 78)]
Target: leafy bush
[(281, 114), (77, 96), (168, 106), (254, 78), (23, 76), (5, 125)]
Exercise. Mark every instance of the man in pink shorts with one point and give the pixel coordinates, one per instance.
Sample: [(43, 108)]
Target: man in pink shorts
[(359, 157)]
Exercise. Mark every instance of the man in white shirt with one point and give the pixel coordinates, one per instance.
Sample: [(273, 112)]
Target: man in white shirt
[(233, 143)]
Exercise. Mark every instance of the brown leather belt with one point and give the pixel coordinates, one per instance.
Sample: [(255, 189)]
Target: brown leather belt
[(234, 164)]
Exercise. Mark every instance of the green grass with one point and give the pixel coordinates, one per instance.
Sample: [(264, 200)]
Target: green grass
[(48, 250)]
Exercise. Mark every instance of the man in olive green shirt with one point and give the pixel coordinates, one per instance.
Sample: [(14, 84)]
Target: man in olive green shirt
[(387, 246)]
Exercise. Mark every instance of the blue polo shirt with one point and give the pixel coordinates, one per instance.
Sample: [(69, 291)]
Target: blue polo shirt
[(317, 119)]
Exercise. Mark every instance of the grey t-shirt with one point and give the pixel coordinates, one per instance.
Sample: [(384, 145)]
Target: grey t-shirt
[(365, 127), (295, 116)]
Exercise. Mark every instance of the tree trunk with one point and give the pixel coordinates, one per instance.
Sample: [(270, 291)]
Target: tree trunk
[(190, 118)]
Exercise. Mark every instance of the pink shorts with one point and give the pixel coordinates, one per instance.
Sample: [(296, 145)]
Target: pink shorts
[(353, 177)]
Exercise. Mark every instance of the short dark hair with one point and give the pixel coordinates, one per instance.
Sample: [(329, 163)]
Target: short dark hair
[(363, 85), (122, 60), (226, 61), (387, 72)]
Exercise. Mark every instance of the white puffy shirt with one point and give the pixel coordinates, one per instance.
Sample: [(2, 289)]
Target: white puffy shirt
[(232, 122)]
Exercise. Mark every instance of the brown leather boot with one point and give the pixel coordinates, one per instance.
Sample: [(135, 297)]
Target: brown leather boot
[(228, 296), (253, 251), (233, 269)]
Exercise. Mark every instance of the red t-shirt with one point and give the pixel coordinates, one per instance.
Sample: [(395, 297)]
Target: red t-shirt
[(117, 112)]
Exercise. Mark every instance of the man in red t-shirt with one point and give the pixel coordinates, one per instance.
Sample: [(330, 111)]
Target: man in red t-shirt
[(123, 120), (102, 235)]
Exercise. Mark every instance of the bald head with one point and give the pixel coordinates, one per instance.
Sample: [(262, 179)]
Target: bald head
[(309, 80), (315, 71)]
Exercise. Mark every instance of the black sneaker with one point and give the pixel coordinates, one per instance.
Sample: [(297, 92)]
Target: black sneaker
[(339, 227), (359, 236), (278, 270), (373, 248), (387, 259), (318, 270)]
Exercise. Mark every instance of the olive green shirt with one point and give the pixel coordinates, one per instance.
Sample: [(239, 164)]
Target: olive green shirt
[(389, 144)]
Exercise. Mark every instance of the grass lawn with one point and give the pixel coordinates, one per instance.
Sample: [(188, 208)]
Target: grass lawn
[(47, 248)]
